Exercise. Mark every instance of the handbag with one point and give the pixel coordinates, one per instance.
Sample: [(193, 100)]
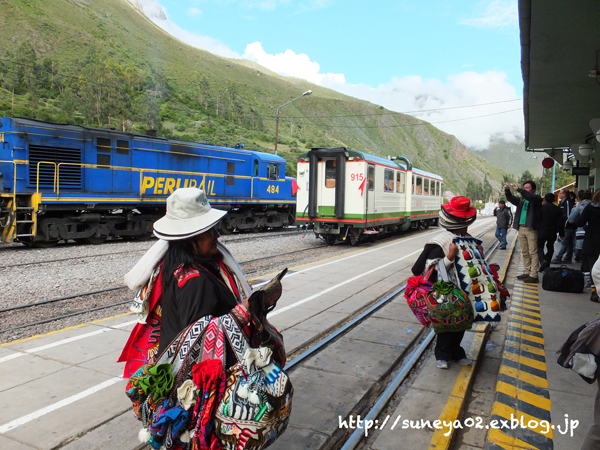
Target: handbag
[(257, 403), (449, 308), (563, 279), (416, 292)]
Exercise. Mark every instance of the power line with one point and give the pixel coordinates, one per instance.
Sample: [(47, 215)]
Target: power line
[(423, 123), (392, 113)]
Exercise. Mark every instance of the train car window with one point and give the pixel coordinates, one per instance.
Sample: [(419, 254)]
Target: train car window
[(419, 187), (122, 147), (425, 186), (414, 181), (103, 148), (272, 171), (371, 177), (437, 188), (330, 173), (256, 167), (230, 169), (388, 180), (400, 181)]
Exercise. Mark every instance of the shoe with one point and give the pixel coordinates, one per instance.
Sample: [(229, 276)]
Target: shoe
[(543, 266), (530, 280), (594, 297), (576, 260), (557, 261), (522, 276), (501, 248), (442, 364), (465, 362)]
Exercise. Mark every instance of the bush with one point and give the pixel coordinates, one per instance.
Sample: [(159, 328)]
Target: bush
[(180, 128)]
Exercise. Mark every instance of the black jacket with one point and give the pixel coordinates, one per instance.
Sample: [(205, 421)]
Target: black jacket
[(566, 206), (504, 217), (194, 293), (590, 220), (533, 211), (551, 221)]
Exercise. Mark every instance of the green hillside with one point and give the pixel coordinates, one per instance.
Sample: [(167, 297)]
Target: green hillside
[(103, 63)]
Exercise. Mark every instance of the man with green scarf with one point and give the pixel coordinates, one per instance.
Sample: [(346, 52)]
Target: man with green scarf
[(526, 221)]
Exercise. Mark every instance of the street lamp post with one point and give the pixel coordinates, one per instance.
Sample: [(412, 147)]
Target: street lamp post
[(277, 121)]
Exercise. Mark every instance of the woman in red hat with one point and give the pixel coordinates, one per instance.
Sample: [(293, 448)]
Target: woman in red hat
[(463, 259)]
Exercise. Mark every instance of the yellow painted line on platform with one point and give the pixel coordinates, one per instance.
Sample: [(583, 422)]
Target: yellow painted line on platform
[(524, 311), (524, 360), (505, 412), (37, 336), (511, 249), (497, 437), (524, 336), (525, 304), (528, 397), (525, 347), (527, 319), (524, 376), (526, 327), (453, 409), (522, 404)]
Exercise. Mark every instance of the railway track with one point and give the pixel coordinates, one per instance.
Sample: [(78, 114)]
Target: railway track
[(381, 393), (225, 239), (81, 295), (122, 291)]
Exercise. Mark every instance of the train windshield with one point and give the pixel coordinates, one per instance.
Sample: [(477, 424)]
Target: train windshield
[(272, 171)]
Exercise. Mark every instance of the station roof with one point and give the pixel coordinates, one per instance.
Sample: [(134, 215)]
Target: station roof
[(560, 45)]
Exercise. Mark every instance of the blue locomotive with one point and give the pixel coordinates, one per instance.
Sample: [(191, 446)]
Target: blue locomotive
[(63, 182)]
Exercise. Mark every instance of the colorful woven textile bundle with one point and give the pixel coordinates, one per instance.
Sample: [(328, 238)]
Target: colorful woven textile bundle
[(449, 308)]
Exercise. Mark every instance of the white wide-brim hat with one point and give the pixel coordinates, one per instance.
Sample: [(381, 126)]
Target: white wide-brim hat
[(188, 214)]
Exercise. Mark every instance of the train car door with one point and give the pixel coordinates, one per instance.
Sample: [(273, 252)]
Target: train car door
[(326, 194), (122, 158), (370, 207), (100, 177)]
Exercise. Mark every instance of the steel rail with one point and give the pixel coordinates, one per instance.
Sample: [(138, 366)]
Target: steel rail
[(386, 395)]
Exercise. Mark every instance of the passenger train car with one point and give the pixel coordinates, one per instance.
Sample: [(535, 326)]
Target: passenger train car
[(346, 194), (69, 182)]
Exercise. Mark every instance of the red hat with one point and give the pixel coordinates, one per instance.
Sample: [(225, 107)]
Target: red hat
[(460, 208)]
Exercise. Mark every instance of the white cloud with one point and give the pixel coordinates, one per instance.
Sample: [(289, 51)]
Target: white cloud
[(410, 94), (158, 14), (495, 14), (291, 64), (194, 12)]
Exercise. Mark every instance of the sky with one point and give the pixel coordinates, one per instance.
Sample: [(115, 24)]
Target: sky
[(455, 64)]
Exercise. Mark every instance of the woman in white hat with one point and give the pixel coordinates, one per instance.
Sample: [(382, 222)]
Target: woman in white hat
[(188, 274)]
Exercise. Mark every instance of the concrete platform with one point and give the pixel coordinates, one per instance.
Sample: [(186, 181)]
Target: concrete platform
[(58, 389)]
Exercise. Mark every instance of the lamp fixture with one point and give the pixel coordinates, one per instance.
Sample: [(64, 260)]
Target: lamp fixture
[(595, 126), (586, 149), (568, 165)]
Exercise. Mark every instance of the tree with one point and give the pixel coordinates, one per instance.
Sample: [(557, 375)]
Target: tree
[(526, 176)]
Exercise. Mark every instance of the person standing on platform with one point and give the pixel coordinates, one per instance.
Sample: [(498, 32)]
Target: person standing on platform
[(590, 220), (455, 250), (566, 204), (551, 223), (584, 197), (526, 222), (504, 219)]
